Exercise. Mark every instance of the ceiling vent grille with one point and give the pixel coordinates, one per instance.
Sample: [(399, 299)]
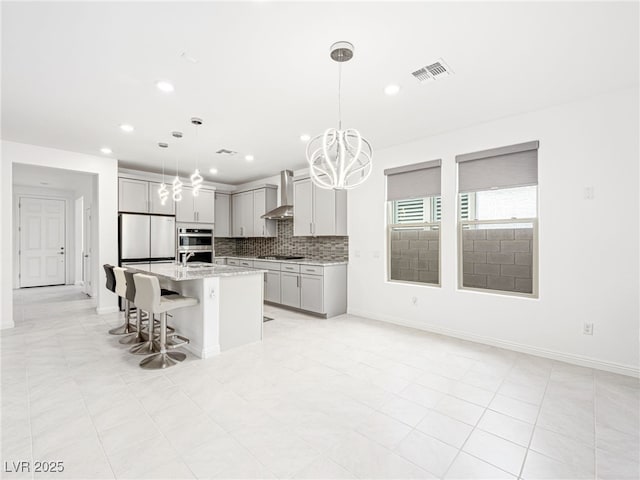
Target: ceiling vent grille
[(433, 71), (224, 151)]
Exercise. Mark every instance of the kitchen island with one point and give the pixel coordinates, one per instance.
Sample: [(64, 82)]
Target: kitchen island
[(230, 308)]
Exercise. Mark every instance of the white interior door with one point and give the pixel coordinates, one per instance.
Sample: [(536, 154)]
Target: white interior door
[(86, 254), (42, 242)]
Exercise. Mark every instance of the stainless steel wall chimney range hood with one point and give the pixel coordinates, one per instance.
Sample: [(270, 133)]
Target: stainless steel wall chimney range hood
[(285, 210)]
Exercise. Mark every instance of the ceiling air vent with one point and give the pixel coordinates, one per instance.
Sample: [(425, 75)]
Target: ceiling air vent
[(433, 71), (224, 151)]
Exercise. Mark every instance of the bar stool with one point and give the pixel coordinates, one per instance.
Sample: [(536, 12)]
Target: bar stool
[(130, 295), (149, 299), (111, 286)]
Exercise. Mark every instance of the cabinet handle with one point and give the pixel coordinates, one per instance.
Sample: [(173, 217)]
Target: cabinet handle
[(242, 231), (298, 281), (310, 227), (263, 230)]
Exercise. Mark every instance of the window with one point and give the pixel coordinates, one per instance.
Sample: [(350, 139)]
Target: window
[(413, 233), (498, 218)]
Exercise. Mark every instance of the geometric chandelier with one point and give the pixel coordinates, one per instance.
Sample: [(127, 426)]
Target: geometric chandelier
[(339, 159)]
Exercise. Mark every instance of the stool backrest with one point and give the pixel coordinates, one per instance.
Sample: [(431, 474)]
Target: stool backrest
[(111, 279), (121, 281), (131, 286), (147, 292)]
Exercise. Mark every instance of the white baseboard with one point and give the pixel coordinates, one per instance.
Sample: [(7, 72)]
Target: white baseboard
[(199, 352), (7, 324), (105, 310), (581, 360)]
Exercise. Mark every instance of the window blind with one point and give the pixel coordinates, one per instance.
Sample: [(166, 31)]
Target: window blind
[(409, 211), (413, 181), (505, 167)]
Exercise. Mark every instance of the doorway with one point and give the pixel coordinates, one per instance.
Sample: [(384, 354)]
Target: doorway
[(86, 252), (42, 229)]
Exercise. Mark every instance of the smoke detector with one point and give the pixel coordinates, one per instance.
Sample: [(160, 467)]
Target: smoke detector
[(433, 71)]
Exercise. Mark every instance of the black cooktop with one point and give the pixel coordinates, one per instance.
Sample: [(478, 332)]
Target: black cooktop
[(281, 257)]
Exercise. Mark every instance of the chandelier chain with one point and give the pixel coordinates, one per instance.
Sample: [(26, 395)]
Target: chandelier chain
[(339, 96)]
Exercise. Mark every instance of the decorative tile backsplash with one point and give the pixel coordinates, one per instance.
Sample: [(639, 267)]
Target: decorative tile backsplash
[(317, 248)]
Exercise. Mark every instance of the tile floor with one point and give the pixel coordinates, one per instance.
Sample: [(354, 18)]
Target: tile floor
[(340, 398)]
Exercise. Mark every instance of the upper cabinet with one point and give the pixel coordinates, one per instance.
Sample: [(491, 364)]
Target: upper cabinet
[(223, 215), (141, 196), (200, 209), (317, 211), (248, 207)]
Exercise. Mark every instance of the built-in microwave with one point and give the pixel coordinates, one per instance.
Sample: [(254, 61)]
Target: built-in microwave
[(195, 238)]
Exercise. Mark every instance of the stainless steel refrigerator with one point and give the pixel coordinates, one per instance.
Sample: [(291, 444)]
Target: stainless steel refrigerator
[(147, 238)]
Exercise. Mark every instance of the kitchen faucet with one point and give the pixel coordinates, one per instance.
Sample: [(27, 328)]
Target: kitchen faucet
[(186, 257)]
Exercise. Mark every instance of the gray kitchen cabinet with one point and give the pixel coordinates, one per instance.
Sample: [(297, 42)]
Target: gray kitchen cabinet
[(200, 209), (264, 199), (242, 210), (133, 195), (141, 196), (220, 261), (290, 289), (311, 293), (318, 212), (246, 209), (204, 206), (272, 286), (169, 207), (222, 215)]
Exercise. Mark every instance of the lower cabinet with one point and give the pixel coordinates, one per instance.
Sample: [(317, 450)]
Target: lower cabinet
[(290, 289), (272, 286), (311, 295), (219, 261)]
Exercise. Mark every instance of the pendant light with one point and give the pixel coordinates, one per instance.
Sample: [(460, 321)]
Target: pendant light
[(177, 184), (196, 178), (339, 159), (163, 191)]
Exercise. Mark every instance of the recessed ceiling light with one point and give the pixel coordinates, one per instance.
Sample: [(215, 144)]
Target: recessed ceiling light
[(125, 127), (305, 137), (105, 150), (392, 89), (248, 158), (165, 86), (213, 171)]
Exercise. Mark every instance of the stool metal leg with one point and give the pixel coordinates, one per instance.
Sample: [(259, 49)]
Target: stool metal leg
[(126, 327), (150, 346), (136, 337), (163, 359)]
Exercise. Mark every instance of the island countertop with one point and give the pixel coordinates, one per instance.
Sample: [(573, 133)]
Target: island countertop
[(194, 271)]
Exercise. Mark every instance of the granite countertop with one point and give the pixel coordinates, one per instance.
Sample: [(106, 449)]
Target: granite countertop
[(302, 261), (195, 270)]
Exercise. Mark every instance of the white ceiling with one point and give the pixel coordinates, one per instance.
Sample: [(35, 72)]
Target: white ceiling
[(72, 72)]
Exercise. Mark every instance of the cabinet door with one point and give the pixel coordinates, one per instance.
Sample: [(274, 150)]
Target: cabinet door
[(223, 215), (236, 211), (311, 294), (133, 195), (272, 286), (220, 261), (169, 208), (204, 206), (259, 224), (324, 211), (246, 205), (184, 208), (302, 208), (290, 289)]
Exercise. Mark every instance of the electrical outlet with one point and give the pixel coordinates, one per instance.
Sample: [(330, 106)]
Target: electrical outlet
[(414, 301), (587, 328)]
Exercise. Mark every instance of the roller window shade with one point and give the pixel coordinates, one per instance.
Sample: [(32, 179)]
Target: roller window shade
[(506, 167), (413, 181)]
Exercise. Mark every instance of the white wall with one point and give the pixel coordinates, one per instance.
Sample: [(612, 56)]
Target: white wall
[(6, 244), (593, 142), (70, 241), (105, 208)]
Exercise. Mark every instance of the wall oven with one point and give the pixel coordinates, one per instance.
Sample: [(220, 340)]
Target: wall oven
[(198, 241)]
